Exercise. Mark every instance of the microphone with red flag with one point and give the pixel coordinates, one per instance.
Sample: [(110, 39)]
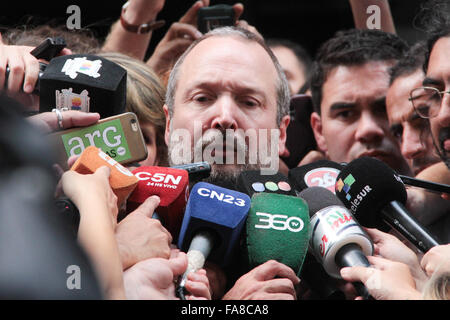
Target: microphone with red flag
[(171, 185)]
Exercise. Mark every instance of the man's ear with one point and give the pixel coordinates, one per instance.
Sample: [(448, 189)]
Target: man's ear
[(316, 124), (282, 150), (167, 131)]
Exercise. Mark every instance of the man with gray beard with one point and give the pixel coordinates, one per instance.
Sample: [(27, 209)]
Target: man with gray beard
[(227, 99)]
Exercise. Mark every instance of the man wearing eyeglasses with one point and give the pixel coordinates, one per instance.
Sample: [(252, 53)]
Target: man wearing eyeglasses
[(407, 126), (432, 100)]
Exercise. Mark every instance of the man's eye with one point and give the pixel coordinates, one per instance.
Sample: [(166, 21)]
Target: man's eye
[(201, 98), (346, 114), (397, 132), (249, 102)]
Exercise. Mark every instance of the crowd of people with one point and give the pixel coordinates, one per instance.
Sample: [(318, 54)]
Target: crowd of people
[(372, 94)]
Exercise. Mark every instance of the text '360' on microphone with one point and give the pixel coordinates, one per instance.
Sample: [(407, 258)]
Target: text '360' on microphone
[(336, 239), (211, 227), (121, 180), (277, 228), (83, 82), (376, 195), (321, 173), (253, 182), (171, 186)]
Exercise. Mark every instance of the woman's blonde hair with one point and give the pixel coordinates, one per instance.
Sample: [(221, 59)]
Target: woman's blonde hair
[(437, 287), (145, 97)]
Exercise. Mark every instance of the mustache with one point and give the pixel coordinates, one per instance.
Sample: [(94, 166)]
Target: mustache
[(216, 138)]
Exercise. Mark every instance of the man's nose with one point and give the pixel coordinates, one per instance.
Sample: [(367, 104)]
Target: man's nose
[(412, 144), (369, 128), (225, 112)]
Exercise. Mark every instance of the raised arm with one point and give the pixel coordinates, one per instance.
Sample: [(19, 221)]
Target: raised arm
[(134, 13), (367, 12)]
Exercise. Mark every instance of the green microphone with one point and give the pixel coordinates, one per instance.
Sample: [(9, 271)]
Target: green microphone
[(277, 228)]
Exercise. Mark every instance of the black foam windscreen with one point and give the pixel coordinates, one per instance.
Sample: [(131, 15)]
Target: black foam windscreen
[(365, 186), (83, 82), (321, 173), (318, 198)]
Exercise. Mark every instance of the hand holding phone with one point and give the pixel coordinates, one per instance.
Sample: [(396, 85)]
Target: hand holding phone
[(119, 136)]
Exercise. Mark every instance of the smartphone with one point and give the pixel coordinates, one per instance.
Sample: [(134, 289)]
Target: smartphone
[(49, 48), (300, 136), (216, 16), (119, 136)]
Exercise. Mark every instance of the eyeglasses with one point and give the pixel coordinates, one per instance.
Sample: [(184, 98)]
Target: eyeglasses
[(426, 101)]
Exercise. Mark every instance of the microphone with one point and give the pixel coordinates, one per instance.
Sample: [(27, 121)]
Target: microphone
[(83, 82), (321, 173), (197, 170), (253, 182), (425, 184), (170, 185), (377, 196), (211, 226), (121, 180), (336, 240), (277, 228)]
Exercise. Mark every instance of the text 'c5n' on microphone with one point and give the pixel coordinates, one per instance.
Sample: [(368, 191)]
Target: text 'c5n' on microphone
[(171, 186)]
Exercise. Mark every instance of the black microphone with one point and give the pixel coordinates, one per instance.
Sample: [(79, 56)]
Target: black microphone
[(376, 195), (83, 82), (336, 239), (321, 173)]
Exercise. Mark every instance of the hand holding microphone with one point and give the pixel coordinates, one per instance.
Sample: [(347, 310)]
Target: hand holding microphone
[(376, 196), (336, 238), (139, 237), (211, 226)]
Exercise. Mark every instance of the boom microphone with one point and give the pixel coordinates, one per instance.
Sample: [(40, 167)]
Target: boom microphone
[(211, 227), (377, 197), (336, 240), (121, 180), (170, 185), (277, 228)]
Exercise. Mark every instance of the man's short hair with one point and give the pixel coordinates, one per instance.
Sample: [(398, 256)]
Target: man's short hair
[(434, 19), (301, 54), (410, 63), (352, 47), (283, 92)]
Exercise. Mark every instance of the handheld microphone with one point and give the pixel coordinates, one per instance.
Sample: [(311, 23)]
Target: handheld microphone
[(211, 226), (170, 185), (121, 180), (253, 182), (277, 228), (197, 170), (336, 240), (377, 197), (83, 82), (321, 173)]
